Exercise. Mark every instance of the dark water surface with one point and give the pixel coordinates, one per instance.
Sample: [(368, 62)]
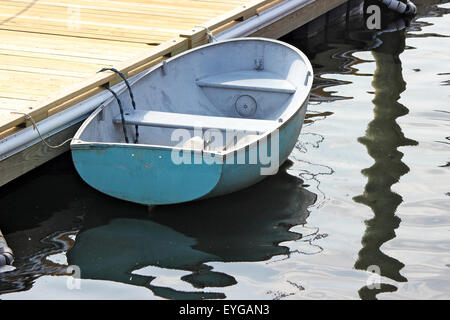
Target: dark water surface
[(366, 189)]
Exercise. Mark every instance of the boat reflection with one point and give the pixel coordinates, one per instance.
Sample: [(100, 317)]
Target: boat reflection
[(118, 241), (382, 139)]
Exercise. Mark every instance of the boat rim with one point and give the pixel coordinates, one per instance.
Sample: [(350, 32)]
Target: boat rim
[(78, 143)]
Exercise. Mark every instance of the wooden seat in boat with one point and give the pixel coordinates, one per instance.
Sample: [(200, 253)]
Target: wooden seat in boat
[(188, 121), (248, 80)]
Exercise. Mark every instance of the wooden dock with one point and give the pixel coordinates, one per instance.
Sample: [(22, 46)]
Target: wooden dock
[(51, 51)]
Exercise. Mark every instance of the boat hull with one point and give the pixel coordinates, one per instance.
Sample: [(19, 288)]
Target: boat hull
[(237, 176), (143, 174), (148, 175), (238, 107)]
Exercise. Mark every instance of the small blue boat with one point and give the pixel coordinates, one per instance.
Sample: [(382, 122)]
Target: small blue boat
[(210, 121)]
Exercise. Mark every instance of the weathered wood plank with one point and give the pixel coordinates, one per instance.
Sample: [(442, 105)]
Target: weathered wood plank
[(34, 156)]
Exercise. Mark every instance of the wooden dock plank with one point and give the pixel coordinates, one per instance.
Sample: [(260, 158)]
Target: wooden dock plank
[(16, 103), (90, 31), (100, 13), (216, 7), (56, 47)]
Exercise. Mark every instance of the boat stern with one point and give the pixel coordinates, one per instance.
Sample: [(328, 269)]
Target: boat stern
[(143, 174)]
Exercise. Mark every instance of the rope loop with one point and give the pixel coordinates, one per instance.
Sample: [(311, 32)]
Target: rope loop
[(35, 127), (133, 103), (121, 112)]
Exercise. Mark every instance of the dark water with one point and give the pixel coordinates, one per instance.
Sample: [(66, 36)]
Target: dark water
[(366, 189)]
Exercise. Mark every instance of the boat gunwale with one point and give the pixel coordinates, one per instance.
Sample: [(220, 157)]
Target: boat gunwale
[(79, 144)]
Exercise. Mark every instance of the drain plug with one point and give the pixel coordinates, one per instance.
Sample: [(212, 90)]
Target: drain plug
[(245, 106)]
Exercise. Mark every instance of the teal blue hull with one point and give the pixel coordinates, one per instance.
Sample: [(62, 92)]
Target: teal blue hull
[(142, 174), (238, 176), (147, 175)]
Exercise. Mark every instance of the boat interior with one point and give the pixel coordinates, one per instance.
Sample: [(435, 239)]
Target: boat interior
[(221, 96)]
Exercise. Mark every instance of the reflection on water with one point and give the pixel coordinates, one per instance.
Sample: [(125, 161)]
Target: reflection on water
[(244, 226), (382, 140), (40, 224), (133, 244), (177, 251)]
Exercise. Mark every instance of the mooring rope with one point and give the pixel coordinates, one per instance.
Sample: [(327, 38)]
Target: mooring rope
[(133, 103), (30, 118)]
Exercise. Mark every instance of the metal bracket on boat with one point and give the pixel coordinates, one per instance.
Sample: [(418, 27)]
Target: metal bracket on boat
[(308, 74), (259, 64), (101, 115), (259, 60), (163, 68)]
